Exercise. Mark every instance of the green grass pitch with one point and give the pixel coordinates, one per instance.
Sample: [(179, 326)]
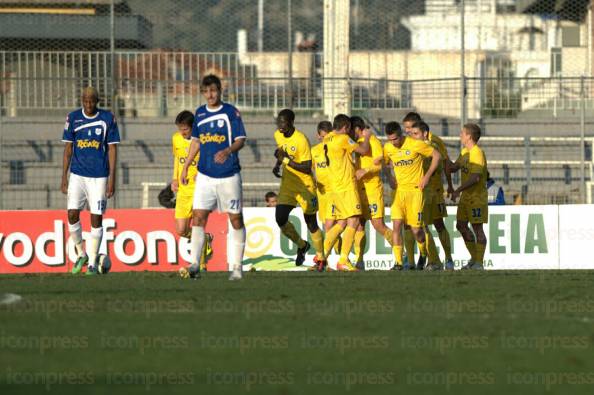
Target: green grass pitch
[(514, 332)]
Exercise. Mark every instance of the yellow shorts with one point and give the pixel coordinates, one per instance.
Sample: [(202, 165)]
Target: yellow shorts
[(408, 206), (434, 207), (183, 205), (344, 205), (303, 196), (372, 202), (473, 210), (323, 203)]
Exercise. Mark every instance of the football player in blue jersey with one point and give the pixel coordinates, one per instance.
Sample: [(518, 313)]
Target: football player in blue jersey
[(88, 172), (218, 134)]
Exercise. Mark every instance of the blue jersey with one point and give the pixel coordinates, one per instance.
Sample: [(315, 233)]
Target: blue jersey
[(89, 137), (216, 130)]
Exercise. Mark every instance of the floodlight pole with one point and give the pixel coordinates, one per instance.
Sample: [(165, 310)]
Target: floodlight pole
[(290, 54), (462, 70)]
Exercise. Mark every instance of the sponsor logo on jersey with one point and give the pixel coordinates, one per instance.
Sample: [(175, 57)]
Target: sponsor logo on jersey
[(212, 138), (183, 160), (404, 162), (321, 165), (86, 143)]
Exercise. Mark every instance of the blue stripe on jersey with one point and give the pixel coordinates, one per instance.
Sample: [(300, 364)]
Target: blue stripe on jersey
[(90, 137), (216, 130)]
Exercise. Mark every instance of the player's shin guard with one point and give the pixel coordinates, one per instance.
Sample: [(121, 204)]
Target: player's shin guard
[(235, 248), (409, 245), (431, 248), (422, 248), (444, 238), (318, 242), (289, 231), (397, 249), (479, 252), (331, 237), (388, 236), (359, 245), (348, 238), (197, 244), (75, 231), (93, 245)]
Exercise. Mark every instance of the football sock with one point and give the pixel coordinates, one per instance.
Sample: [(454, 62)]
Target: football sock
[(318, 243), (388, 236), (359, 246), (397, 249), (235, 247), (471, 249), (289, 231), (422, 248), (479, 252), (348, 238), (331, 237), (444, 238), (93, 245), (431, 248), (76, 234), (196, 243), (337, 245), (409, 245)]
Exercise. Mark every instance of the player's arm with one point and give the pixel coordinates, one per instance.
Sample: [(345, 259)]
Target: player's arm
[(222, 155), (435, 158), (237, 134), (283, 156), (66, 165), (192, 151), (174, 180), (112, 152), (364, 147), (476, 166), (388, 169)]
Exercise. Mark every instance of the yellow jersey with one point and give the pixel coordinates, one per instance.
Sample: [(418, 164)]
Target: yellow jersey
[(320, 167), (297, 146), (339, 149), (181, 147), (408, 162), (473, 161), (372, 178)]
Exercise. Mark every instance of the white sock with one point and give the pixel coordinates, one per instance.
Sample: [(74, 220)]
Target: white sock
[(93, 244), (76, 234), (235, 247), (197, 244)]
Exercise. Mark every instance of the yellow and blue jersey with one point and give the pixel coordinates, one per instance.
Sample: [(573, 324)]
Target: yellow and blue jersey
[(216, 130), (90, 136)]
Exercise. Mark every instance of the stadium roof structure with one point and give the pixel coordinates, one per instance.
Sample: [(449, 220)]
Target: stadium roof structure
[(574, 10), (70, 25)]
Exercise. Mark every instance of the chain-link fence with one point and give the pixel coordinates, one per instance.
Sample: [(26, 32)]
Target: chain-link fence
[(521, 69)]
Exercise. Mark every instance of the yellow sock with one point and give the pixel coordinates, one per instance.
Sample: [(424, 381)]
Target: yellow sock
[(397, 249), (359, 246), (471, 249), (289, 231), (331, 237), (431, 248), (388, 236), (422, 248), (337, 245), (409, 245), (444, 238), (348, 238), (318, 243), (479, 254)]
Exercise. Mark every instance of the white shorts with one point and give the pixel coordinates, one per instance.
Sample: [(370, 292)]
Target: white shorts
[(87, 189), (223, 194)]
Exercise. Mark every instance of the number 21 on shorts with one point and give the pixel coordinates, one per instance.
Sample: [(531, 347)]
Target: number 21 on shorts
[(234, 204)]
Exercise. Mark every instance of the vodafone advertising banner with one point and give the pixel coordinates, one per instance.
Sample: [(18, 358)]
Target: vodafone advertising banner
[(137, 240), (520, 237)]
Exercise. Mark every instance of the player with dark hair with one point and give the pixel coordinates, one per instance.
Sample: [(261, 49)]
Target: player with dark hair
[(88, 172), (271, 199), (218, 134), (473, 206), (345, 203), (371, 190), (297, 187), (406, 155)]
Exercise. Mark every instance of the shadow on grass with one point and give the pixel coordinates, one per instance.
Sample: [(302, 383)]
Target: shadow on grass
[(273, 263)]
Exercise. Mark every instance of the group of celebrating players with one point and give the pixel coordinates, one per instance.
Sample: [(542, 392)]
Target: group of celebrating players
[(339, 179)]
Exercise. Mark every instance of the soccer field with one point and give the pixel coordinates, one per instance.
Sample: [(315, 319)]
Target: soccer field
[(290, 333)]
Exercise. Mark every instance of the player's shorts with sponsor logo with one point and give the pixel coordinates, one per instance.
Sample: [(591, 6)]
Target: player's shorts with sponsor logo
[(323, 206), (302, 196), (372, 201), (434, 206), (472, 209), (223, 194), (184, 202), (408, 206), (91, 190), (344, 205)]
